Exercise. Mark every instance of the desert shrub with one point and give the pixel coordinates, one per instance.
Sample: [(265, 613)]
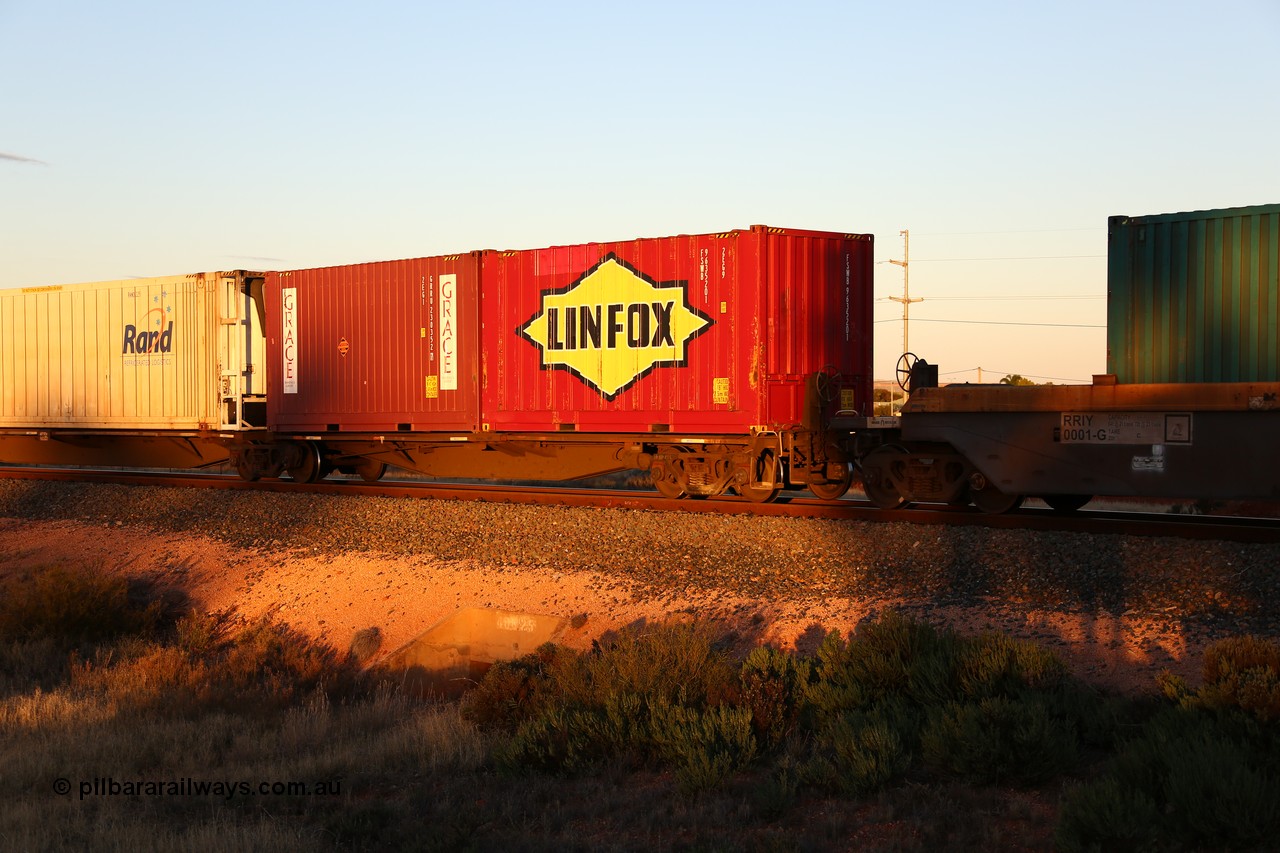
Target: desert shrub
[(1000, 739), (679, 663), (261, 667), (1239, 672), (1235, 654), (774, 686), (268, 665), (364, 645), (144, 677), (1217, 791), (550, 741), (199, 634), (996, 665), (704, 745), (850, 718), (833, 686), (571, 710), (858, 752), (511, 692), (1096, 717), (660, 696), (775, 794), (573, 739), (620, 726), (1210, 778), (895, 654), (562, 739), (73, 606), (990, 702), (1107, 815), (28, 664)]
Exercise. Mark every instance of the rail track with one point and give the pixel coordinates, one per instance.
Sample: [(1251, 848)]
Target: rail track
[(797, 505)]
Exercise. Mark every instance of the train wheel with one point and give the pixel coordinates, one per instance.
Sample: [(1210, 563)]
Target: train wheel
[(884, 495), (766, 470), (308, 469), (669, 488), (876, 483), (759, 494), (991, 500), (246, 469), (369, 470), (1066, 503), (666, 479), (834, 490)]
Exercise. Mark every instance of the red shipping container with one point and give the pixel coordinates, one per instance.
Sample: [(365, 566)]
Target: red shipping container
[(712, 333), (388, 346)]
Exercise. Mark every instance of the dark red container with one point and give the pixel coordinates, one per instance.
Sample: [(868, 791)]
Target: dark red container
[(389, 346), (712, 333)]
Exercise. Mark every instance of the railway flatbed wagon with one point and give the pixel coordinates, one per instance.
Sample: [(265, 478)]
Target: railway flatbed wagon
[(995, 444), (1189, 409), (716, 361)]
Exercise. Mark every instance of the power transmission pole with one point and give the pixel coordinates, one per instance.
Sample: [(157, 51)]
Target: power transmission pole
[(905, 299)]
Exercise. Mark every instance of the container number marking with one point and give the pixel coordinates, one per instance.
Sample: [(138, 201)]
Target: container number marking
[(1125, 428)]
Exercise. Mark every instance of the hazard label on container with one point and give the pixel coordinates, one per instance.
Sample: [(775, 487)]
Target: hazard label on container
[(720, 389)]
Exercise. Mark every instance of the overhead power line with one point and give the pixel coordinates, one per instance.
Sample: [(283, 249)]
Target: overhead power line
[(997, 298), (981, 370), (1002, 323), (1009, 258), (1013, 231)]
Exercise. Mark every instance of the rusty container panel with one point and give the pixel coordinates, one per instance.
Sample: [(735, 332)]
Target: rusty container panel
[(713, 333), (1194, 297), (385, 347), (139, 354)]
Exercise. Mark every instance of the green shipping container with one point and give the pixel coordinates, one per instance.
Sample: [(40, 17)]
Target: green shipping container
[(1194, 297)]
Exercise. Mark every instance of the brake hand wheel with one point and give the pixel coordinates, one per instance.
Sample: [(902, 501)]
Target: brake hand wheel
[(905, 363)]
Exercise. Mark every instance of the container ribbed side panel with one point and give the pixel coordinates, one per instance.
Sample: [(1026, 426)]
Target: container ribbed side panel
[(1195, 297)]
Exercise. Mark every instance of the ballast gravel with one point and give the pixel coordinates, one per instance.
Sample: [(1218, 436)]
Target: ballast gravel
[(974, 576)]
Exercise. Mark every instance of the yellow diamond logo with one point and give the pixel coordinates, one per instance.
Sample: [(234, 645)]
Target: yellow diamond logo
[(614, 325)]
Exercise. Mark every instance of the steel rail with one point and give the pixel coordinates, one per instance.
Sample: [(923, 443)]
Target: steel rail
[(1130, 523)]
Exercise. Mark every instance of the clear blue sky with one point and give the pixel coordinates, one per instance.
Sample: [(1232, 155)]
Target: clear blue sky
[(143, 139)]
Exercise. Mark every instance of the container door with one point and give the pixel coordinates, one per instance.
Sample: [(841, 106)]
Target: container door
[(239, 340)]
